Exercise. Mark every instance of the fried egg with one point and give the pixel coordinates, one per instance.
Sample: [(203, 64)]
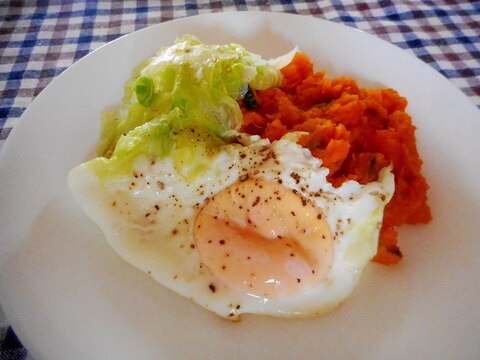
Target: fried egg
[(259, 231)]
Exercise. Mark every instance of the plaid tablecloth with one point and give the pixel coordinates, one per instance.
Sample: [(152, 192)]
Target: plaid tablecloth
[(40, 39)]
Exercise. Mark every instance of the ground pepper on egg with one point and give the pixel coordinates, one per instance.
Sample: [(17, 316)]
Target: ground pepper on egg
[(355, 131)]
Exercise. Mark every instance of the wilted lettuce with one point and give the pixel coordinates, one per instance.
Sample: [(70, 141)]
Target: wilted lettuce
[(187, 85)]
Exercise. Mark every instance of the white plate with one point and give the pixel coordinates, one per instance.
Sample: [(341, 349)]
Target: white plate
[(68, 295)]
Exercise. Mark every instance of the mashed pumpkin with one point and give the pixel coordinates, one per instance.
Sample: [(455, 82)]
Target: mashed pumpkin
[(355, 131)]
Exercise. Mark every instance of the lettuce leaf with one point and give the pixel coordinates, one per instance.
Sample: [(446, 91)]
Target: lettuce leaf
[(190, 147), (203, 81), (189, 85)]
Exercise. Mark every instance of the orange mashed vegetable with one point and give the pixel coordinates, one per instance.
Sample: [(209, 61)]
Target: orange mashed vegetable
[(355, 131)]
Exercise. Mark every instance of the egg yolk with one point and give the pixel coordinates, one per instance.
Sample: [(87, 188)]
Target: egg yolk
[(262, 238)]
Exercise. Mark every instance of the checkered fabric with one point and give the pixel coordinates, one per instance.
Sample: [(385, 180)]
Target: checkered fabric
[(40, 39), (10, 346)]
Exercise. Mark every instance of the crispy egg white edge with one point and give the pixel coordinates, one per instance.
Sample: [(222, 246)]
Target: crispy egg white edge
[(180, 271)]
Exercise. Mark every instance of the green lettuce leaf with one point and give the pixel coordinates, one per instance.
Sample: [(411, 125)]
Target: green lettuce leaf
[(203, 81), (189, 85), (189, 146)]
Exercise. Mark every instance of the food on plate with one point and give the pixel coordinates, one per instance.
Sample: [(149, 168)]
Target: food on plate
[(356, 132), (233, 221)]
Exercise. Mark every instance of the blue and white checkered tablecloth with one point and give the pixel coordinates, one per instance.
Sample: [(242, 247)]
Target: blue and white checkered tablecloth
[(40, 39)]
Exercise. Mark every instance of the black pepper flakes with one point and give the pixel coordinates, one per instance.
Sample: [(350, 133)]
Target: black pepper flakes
[(295, 177), (257, 200)]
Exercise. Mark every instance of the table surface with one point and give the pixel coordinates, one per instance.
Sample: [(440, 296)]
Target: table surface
[(38, 42)]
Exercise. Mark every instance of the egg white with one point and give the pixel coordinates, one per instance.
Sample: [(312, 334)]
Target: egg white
[(147, 216)]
